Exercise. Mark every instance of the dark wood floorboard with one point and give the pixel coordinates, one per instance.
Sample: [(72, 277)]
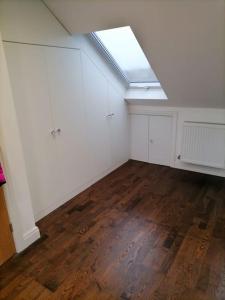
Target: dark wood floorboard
[(143, 232)]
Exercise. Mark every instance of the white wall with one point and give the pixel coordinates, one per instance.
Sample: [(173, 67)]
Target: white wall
[(180, 115), (17, 189), (184, 41), (29, 21)]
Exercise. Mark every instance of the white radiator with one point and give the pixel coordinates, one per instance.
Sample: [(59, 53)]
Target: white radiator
[(203, 144)]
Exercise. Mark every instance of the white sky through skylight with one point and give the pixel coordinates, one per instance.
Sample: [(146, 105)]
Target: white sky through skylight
[(127, 53)]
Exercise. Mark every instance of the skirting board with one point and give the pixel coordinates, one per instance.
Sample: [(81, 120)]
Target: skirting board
[(199, 169), (29, 237), (41, 214)]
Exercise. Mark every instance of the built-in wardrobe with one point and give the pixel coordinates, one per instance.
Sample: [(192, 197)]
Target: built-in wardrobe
[(73, 121)]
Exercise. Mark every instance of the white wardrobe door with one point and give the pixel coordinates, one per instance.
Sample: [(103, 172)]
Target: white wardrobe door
[(118, 127), (66, 90), (95, 87), (139, 137), (27, 69), (160, 139)]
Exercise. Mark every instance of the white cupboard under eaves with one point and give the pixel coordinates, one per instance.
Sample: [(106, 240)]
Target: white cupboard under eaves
[(63, 103), (68, 108), (160, 139), (152, 138), (118, 122), (139, 138), (30, 86), (96, 93)]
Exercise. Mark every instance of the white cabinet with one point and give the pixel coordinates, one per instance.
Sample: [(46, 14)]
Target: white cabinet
[(151, 138), (62, 90), (107, 119), (68, 108), (29, 79), (139, 140), (96, 92), (160, 139), (118, 122)]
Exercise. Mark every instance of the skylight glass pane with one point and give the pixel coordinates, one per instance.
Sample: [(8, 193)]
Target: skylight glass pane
[(126, 51)]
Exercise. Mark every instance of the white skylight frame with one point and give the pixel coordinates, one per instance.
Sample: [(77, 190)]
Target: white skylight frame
[(136, 51), (108, 56)]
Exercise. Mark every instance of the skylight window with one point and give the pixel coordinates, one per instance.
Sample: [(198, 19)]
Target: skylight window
[(125, 52)]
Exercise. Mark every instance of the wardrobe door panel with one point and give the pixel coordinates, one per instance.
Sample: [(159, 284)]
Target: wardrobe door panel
[(160, 139), (97, 110), (27, 69), (118, 127), (139, 137), (66, 90)]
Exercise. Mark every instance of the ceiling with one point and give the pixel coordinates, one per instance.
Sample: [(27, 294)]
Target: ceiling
[(183, 40)]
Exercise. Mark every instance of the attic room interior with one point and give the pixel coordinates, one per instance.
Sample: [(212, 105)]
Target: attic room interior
[(112, 149)]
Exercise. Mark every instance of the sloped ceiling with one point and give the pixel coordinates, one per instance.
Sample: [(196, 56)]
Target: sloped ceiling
[(184, 40)]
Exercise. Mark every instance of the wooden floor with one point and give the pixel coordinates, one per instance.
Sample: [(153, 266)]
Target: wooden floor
[(143, 232)]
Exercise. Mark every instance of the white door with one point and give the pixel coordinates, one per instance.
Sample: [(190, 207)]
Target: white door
[(139, 137), (119, 137), (160, 139), (97, 110), (27, 69), (66, 93)]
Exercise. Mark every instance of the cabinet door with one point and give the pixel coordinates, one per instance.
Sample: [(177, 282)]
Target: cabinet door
[(96, 93), (139, 137), (27, 70), (118, 127), (66, 93), (160, 139)]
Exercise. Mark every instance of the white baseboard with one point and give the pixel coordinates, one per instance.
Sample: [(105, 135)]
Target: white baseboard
[(75, 192), (31, 236), (199, 169), (28, 238)]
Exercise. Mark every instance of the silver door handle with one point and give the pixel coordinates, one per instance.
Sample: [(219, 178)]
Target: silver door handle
[(53, 133), (110, 115)]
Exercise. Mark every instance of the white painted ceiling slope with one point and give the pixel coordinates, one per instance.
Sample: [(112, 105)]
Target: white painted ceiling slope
[(183, 40)]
